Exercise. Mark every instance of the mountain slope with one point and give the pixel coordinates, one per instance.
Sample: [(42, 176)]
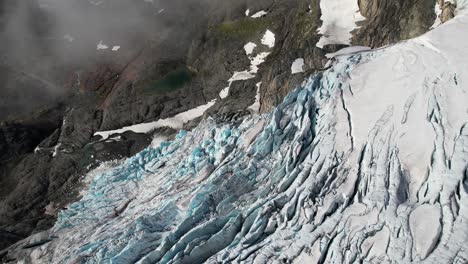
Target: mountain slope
[(366, 162)]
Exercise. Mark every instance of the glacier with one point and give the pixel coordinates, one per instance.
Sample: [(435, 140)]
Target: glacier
[(365, 163)]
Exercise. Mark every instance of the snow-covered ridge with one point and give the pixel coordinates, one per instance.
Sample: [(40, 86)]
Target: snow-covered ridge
[(364, 163)]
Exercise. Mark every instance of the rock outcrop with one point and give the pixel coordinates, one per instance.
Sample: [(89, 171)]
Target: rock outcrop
[(391, 21), (448, 11)]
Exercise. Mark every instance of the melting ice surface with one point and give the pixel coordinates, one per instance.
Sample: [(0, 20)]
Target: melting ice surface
[(364, 163)]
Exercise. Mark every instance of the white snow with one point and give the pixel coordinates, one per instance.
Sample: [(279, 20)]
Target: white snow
[(56, 149), (249, 47), (247, 12), (438, 11), (348, 51), (339, 19), (259, 14), (224, 92), (113, 139), (461, 5), (256, 105), (297, 66), (269, 39), (425, 227), (241, 76), (101, 46), (254, 63), (175, 122), (423, 70), (237, 76), (68, 38), (50, 209), (257, 60), (157, 140), (376, 246), (245, 75)]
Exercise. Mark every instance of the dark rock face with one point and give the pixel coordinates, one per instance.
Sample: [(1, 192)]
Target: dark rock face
[(50, 174), (297, 37), (391, 21), (17, 140)]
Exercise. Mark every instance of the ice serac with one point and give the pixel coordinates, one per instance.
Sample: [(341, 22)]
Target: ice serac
[(366, 163)]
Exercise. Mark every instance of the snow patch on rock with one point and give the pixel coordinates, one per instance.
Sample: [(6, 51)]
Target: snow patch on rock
[(101, 46), (255, 107), (68, 38), (339, 18), (259, 14), (438, 12), (297, 66), (348, 51), (175, 122), (249, 48), (268, 39)]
